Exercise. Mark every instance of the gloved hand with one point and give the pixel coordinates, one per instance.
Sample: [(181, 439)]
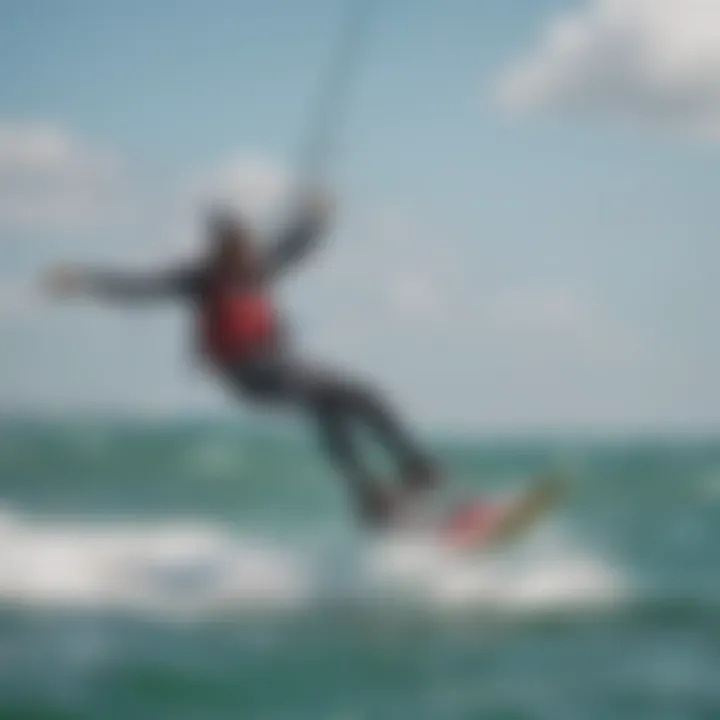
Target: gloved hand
[(65, 281)]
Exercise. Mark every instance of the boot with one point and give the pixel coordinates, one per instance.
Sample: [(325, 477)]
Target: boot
[(376, 506), (419, 478)]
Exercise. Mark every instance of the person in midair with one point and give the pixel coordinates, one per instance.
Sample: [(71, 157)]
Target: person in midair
[(239, 333)]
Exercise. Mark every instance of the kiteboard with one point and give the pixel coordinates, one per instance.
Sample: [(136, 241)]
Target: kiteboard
[(481, 524)]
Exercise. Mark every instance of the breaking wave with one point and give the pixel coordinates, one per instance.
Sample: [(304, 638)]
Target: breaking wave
[(196, 566)]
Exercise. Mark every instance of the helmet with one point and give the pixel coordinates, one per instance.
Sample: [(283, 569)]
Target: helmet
[(222, 220)]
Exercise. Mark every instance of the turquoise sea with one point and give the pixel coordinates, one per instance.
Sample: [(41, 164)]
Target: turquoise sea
[(194, 571)]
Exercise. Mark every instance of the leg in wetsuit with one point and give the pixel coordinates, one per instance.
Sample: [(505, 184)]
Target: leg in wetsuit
[(339, 405)]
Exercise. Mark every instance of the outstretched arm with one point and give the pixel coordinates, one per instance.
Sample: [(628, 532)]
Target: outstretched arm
[(74, 281), (302, 236)]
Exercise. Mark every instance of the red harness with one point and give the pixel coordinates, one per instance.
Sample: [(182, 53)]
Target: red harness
[(236, 324)]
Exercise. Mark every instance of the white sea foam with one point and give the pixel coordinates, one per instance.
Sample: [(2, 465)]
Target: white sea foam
[(543, 573), (200, 567)]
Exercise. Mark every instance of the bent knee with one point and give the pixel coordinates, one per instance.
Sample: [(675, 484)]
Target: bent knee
[(349, 394)]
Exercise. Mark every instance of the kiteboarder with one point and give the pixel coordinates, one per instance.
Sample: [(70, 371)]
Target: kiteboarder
[(239, 333)]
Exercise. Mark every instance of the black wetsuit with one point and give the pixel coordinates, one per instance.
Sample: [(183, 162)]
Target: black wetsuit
[(337, 403)]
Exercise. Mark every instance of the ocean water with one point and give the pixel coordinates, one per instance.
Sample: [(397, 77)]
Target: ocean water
[(205, 570)]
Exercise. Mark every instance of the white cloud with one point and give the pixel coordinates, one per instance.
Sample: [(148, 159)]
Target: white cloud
[(170, 220), (252, 186), (50, 180), (547, 317), (416, 295), (655, 61), (395, 256), (246, 184), (543, 311)]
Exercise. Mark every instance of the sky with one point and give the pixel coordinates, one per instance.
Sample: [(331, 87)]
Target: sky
[(526, 201)]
